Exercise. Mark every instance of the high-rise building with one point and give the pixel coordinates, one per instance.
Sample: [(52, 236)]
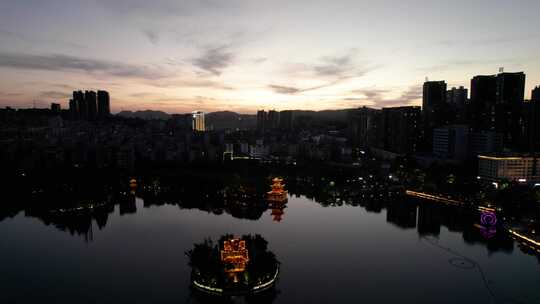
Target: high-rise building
[(365, 127), (73, 109), (81, 106), (497, 105), (451, 142), (482, 105), (457, 100), (103, 103), (531, 118), (273, 119), (436, 111), (510, 88), (198, 121), (535, 94), (286, 120), (180, 122), (509, 108), (261, 120), (90, 98), (434, 94), (401, 129), (457, 97), (55, 108), (483, 142)]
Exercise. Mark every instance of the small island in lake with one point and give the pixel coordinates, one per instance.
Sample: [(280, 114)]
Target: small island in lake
[(233, 266)]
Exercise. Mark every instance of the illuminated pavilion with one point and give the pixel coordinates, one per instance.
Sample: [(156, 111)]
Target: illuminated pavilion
[(234, 256), (278, 192)]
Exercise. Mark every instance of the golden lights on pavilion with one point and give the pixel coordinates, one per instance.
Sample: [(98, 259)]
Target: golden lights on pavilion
[(277, 198), (278, 192), (234, 257)]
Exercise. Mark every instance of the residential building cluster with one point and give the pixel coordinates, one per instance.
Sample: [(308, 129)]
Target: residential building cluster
[(449, 127), (453, 127), (88, 105)]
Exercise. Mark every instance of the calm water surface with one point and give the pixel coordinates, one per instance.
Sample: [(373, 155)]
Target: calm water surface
[(344, 254)]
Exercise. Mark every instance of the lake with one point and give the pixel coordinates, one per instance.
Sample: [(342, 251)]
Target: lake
[(404, 251)]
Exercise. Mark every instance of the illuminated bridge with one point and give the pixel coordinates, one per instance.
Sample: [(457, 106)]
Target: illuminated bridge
[(435, 198)]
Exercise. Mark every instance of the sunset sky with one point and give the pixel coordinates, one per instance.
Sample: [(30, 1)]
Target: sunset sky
[(243, 55)]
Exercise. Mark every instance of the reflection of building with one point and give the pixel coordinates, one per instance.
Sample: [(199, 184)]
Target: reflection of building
[(133, 185), (277, 214), (520, 168), (429, 219), (402, 214), (278, 210), (198, 121), (234, 256), (278, 193)]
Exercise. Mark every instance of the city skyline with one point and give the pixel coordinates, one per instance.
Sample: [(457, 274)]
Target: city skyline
[(240, 56)]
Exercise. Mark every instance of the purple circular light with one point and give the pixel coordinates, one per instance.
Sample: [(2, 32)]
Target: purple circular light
[(488, 218)]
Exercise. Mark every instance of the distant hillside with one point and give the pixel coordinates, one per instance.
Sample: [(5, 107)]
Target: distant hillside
[(230, 120), (326, 115), (146, 114)]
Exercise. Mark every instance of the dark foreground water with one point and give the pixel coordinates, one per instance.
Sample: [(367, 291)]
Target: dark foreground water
[(403, 253)]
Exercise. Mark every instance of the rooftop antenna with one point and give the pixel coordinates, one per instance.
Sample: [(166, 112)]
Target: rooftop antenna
[(501, 70)]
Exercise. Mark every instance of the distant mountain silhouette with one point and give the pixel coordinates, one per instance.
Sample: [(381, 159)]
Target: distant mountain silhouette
[(328, 115), (146, 114), (230, 120)]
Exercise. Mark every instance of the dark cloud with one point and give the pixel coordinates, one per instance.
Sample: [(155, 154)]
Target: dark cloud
[(334, 66), (408, 97), (332, 69), (55, 94), (280, 89), (191, 83), (372, 94), (413, 93), (284, 89), (214, 60), (259, 60), (489, 41), (59, 62), (165, 8), (342, 66), (375, 97), (38, 41), (152, 35), (7, 94), (63, 86), (141, 94)]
